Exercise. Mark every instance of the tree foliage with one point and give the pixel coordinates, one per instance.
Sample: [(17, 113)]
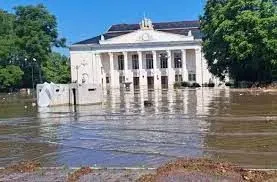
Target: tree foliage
[(240, 38), (10, 76), (7, 37), (56, 69), (27, 38)]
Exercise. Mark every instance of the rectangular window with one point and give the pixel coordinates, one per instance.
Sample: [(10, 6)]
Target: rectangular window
[(164, 82), (163, 60), (192, 77), (178, 78), (136, 82), (121, 62), (135, 62), (107, 80), (121, 79), (177, 60), (149, 61)]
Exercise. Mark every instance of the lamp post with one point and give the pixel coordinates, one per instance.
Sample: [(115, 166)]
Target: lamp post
[(32, 66), (39, 70)]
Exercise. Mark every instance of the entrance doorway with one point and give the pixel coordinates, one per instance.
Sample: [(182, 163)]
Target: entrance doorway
[(136, 83), (150, 82), (164, 82)]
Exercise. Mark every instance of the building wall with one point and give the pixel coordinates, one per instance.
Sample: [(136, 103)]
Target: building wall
[(82, 65), (97, 67)]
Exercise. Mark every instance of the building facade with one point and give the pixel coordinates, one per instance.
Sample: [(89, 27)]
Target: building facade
[(146, 55)]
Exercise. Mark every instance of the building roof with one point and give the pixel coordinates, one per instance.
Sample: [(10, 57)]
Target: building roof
[(179, 27)]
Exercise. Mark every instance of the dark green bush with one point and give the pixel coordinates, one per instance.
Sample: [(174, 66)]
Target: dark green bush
[(185, 84), (211, 85), (177, 85), (195, 85), (228, 84)]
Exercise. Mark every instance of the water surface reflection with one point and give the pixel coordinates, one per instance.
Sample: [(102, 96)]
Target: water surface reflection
[(233, 125)]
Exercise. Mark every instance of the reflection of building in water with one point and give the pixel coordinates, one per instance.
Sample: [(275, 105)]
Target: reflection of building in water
[(185, 101), (170, 101), (188, 101), (238, 129), (204, 98), (157, 101)]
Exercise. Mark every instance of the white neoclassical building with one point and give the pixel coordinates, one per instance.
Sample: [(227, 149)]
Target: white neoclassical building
[(145, 55)]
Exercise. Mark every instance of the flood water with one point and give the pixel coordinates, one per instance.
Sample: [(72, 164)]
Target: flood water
[(234, 125)]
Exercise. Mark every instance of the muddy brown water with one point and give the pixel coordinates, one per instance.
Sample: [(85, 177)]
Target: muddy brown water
[(238, 126)]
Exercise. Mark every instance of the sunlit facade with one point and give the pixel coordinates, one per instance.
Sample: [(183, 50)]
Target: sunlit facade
[(146, 55)]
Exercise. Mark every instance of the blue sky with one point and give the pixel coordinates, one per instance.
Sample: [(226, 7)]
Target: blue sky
[(81, 19)]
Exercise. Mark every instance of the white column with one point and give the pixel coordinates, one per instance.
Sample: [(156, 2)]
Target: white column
[(93, 65), (169, 60), (184, 65), (111, 69), (125, 54), (140, 60), (171, 76), (98, 69), (154, 53), (157, 81), (141, 80), (198, 63)]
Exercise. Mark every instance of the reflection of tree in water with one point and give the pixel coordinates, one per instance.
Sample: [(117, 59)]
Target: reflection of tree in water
[(192, 102), (238, 130)]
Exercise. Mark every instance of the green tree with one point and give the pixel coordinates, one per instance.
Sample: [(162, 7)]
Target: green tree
[(10, 76), (57, 69), (240, 38), (37, 34), (7, 38)]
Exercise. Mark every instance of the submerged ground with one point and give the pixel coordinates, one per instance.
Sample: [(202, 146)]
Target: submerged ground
[(238, 126)]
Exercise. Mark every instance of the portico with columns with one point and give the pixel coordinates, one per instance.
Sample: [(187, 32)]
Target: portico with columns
[(146, 55)]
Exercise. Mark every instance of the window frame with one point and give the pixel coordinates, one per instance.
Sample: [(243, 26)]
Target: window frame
[(178, 78), (163, 61), (149, 61), (135, 62), (178, 60), (121, 79), (192, 77), (120, 59)]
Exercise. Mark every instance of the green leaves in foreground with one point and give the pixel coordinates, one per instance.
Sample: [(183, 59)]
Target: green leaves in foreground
[(240, 38)]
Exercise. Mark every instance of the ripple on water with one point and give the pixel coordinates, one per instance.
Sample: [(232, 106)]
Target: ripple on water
[(123, 132)]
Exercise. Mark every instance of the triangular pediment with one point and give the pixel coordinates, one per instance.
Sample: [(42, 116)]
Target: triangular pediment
[(142, 36)]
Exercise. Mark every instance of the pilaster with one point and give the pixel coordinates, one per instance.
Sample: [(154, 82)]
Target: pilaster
[(111, 69), (171, 74), (198, 63), (125, 54), (184, 65), (157, 81)]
